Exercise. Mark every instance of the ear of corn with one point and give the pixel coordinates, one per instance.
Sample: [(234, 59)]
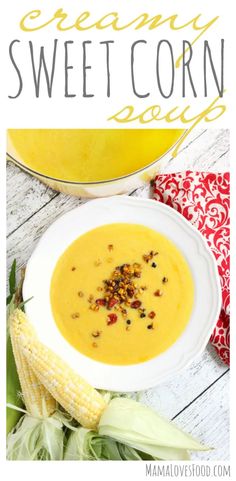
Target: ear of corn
[(74, 394), (38, 401)]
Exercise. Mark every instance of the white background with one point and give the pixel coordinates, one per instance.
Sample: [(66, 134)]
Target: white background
[(93, 112)]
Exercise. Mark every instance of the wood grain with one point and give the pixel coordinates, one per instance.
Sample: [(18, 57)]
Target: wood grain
[(171, 397), (207, 419)]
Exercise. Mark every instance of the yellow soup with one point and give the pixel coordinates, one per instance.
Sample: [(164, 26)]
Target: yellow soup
[(88, 155), (122, 294)]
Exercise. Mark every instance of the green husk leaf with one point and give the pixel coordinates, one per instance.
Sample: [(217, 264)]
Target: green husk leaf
[(162, 453), (140, 427), (12, 279), (13, 389), (9, 298), (35, 439), (84, 444), (13, 384)]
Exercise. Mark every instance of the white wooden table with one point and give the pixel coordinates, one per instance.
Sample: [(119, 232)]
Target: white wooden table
[(198, 398)]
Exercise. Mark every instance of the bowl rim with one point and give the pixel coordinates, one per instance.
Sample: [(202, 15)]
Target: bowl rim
[(23, 166), (159, 372)]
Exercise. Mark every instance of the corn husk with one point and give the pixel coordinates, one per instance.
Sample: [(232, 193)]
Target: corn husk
[(139, 427), (86, 445), (35, 439)]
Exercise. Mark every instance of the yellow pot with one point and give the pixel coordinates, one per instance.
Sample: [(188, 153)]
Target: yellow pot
[(91, 163)]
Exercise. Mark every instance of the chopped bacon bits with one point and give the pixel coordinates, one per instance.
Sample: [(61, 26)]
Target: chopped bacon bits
[(158, 293), (101, 302), (112, 302), (112, 319), (135, 304)]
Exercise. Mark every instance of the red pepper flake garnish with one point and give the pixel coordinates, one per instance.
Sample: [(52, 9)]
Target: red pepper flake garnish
[(112, 319), (135, 304), (152, 314), (158, 293), (112, 302), (101, 302), (110, 247)]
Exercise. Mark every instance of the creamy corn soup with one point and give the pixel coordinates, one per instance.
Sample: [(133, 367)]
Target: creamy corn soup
[(121, 294), (88, 155)]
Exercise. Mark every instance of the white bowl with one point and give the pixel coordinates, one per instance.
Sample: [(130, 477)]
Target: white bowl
[(207, 292)]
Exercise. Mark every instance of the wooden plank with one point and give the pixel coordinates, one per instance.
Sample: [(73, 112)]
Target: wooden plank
[(21, 243), (208, 152), (170, 397), (25, 195), (207, 419)]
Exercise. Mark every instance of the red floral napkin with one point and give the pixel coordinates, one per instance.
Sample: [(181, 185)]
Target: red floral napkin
[(203, 199)]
